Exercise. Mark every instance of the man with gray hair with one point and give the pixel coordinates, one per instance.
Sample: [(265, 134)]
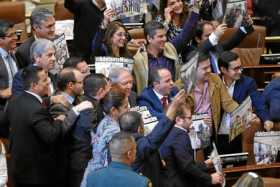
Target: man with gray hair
[(42, 54), (123, 78), (43, 26), (119, 173)]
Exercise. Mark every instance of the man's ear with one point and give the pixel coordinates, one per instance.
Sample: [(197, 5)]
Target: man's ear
[(149, 38), (223, 69)]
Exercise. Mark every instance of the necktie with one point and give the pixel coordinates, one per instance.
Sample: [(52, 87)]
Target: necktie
[(214, 64), (11, 69), (164, 103)]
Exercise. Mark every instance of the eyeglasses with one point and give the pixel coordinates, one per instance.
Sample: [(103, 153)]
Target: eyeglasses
[(238, 68)]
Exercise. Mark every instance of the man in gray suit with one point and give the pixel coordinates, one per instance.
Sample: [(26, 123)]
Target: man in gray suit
[(8, 64), (43, 26)]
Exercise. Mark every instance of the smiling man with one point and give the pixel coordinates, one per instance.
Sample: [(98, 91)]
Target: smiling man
[(43, 55), (8, 64), (157, 96), (160, 53)]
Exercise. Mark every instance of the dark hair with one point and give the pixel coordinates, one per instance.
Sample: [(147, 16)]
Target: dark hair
[(202, 56), (30, 75), (92, 83), (64, 78), (225, 58), (151, 27), (72, 62), (110, 31), (130, 121), (199, 28), (154, 75), (39, 15), (114, 98), (4, 27), (183, 16)]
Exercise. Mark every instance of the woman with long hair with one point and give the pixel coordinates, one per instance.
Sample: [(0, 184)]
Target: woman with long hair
[(174, 13), (111, 38), (114, 104)]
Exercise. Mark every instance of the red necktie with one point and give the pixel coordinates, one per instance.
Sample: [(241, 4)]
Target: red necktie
[(164, 103)]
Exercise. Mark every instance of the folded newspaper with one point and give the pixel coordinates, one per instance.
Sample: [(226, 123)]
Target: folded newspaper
[(104, 64), (128, 10), (61, 52), (149, 121), (199, 132), (240, 119), (266, 146), (235, 12), (217, 162)]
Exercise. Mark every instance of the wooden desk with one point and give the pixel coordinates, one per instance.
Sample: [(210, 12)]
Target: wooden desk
[(261, 73), (266, 170)]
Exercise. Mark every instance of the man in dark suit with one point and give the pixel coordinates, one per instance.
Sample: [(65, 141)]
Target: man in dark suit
[(95, 88), (86, 12), (157, 96), (124, 79), (43, 26), (119, 172), (239, 88), (148, 161), (34, 133), (43, 55), (181, 168), (8, 64)]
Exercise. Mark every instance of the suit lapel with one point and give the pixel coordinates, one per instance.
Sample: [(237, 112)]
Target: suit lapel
[(156, 100), (237, 90), (4, 73)]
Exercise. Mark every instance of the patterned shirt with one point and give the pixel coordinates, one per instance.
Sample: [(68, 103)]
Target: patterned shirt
[(100, 140)]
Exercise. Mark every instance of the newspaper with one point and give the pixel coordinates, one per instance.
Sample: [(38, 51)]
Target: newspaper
[(266, 146), (149, 121), (128, 10), (104, 64), (235, 12), (199, 132), (217, 162), (240, 118), (65, 27), (61, 52)]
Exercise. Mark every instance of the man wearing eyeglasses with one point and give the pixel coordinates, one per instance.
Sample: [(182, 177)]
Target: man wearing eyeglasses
[(239, 88), (8, 64)]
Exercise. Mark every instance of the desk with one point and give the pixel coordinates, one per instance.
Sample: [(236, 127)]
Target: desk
[(266, 170), (262, 73)]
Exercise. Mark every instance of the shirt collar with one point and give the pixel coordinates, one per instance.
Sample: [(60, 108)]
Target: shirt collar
[(181, 128), (158, 94), (3, 52), (35, 95), (228, 87)]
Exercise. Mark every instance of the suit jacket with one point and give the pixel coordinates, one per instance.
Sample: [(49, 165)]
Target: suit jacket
[(271, 95), (117, 175), (149, 99), (182, 170), (23, 53), (246, 86), (33, 138), (148, 161), (85, 14)]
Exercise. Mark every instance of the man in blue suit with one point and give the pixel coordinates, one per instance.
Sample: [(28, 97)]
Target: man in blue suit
[(119, 173), (239, 87), (158, 95)]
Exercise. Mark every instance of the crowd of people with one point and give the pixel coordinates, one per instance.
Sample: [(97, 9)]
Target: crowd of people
[(75, 128)]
